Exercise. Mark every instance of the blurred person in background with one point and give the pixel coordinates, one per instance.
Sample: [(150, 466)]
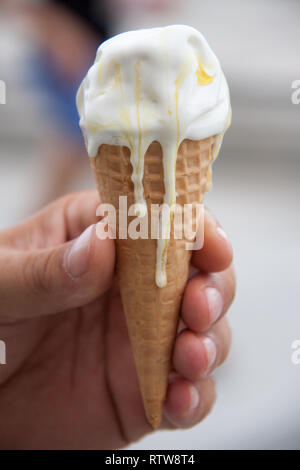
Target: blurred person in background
[(66, 35)]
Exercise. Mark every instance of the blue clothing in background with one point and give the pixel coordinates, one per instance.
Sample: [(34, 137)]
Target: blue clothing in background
[(60, 95)]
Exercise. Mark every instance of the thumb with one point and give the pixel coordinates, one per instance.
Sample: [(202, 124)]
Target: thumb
[(42, 282)]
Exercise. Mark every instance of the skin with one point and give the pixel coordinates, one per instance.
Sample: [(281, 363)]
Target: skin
[(70, 381)]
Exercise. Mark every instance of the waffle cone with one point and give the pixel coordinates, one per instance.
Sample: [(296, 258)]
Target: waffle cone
[(152, 312)]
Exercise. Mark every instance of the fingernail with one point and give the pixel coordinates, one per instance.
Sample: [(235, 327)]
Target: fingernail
[(194, 398), (222, 233), (211, 352), (215, 303), (78, 257)]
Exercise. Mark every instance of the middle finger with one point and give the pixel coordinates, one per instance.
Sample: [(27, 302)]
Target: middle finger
[(196, 355)]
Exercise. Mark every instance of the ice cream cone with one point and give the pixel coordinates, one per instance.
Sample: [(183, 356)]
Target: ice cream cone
[(152, 312)]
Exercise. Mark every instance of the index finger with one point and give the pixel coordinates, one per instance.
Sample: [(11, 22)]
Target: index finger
[(216, 254), (62, 220)]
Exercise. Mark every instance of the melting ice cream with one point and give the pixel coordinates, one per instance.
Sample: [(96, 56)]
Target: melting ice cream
[(161, 84)]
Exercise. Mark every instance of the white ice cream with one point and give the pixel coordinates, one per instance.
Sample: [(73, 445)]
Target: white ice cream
[(161, 84)]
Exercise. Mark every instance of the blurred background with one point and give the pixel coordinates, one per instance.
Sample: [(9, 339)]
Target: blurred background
[(45, 50)]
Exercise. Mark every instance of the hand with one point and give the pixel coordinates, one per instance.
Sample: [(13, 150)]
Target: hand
[(70, 380)]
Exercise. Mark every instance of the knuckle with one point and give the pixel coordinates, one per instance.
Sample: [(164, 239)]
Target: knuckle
[(227, 336), (222, 334), (227, 282), (231, 283), (209, 399), (227, 345), (38, 273)]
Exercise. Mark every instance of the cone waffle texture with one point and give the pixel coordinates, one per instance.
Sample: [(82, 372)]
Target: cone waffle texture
[(152, 312)]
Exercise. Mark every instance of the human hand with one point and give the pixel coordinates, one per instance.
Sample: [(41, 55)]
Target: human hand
[(70, 380)]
